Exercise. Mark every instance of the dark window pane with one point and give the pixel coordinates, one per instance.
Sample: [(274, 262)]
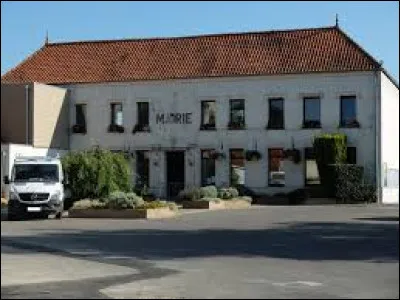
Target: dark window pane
[(351, 155), (312, 109), (142, 168), (276, 111), (80, 113), (276, 176), (347, 110), (237, 167), (208, 112), (207, 168), (237, 111), (143, 113), (116, 114), (312, 174)]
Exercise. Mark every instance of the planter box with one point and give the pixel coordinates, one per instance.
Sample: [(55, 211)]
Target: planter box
[(154, 213), (211, 205), (237, 204)]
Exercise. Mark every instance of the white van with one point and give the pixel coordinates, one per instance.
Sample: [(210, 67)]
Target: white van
[(35, 187)]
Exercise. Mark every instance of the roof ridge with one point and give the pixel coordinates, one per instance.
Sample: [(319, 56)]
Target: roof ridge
[(189, 36)]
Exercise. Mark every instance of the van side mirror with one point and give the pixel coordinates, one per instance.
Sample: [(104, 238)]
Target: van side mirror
[(6, 180)]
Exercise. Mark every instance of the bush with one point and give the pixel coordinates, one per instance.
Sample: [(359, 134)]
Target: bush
[(89, 203), (329, 149), (136, 200), (346, 180), (297, 196), (157, 204), (190, 194), (209, 192), (233, 192), (96, 173), (121, 200), (224, 193)]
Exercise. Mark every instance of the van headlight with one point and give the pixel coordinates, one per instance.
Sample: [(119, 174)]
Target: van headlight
[(56, 196), (13, 195)]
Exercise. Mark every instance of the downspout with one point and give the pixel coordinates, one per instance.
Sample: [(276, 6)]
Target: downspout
[(378, 139), (27, 114)]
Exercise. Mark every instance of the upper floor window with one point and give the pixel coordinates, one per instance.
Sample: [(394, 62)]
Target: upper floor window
[(208, 114), (142, 117), (116, 118), (237, 120), (276, 113), (80, 119), (348, 113), (312, 112)]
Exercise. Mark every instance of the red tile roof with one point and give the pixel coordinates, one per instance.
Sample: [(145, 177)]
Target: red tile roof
[(237, 54)]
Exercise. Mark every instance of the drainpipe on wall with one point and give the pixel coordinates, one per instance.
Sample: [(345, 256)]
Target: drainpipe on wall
[(378, 138), (27, 114)]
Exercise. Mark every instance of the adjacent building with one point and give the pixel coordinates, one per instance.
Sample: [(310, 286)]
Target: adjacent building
[(188, 109)]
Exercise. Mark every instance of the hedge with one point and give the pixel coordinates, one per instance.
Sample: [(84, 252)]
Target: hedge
[(329, 149), (96, 173)]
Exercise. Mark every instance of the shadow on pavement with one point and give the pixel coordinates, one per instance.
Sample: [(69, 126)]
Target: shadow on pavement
[(300, 241), (380, 219)]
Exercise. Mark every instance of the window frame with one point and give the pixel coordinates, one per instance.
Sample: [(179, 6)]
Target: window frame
[(269, 167), (305, 166), (235, 125), (139, 117), (352, 148), (207, 126), (230, 164), (113, 105), (270, 100), (148, 167), (341, 123), (202, 182), (317, 126)]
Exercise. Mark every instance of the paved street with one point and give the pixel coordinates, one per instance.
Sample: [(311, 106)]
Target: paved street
[(263, 252)]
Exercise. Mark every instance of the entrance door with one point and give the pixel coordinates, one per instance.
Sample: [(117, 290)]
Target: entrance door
[(175, 173)]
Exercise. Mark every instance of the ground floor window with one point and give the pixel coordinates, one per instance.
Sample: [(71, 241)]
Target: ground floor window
[(352, 155), (276, 175), (142, 168), (312, 174), (207, 168), (237, 168)]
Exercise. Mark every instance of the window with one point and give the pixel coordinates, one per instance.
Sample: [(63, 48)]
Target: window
[(312, 112), (276, 108), (207, 168), (142, 117), (116, 118), (116, 114), (80, 119), (352, 155), (237, 169), (143, 113), (142, 169), (348, 115), (312, 174), (236, 114), (208, 115), (276, 176)]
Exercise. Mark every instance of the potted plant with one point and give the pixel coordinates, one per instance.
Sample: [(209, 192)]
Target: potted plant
[(141, 128), (253, 155), (79, 128), (293, 154), (312, 124), (236, 125), (207, 127), (217, 155), (115, 128)]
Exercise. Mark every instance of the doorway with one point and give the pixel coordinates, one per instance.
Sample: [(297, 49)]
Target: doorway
[(175, 173)]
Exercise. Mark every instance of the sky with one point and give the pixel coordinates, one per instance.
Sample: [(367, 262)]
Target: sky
[(374, 25)]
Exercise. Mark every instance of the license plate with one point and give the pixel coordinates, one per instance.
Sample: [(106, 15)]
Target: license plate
[(34, 209)]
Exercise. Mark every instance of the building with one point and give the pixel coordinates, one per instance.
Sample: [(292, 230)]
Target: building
[(179, 105)]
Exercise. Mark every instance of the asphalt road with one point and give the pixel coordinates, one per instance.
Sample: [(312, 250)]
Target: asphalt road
[(263, 252)]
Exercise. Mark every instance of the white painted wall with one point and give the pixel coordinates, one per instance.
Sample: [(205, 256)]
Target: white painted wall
[(185, 96), (390, 140)]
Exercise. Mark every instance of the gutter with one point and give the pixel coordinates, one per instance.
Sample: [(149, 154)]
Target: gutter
[(27, 114)]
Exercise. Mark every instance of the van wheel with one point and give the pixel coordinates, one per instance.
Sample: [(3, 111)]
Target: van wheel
[(59, 215), (12, 217)]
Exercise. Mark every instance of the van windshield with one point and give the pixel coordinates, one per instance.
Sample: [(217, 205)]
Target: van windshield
[(32, 173)]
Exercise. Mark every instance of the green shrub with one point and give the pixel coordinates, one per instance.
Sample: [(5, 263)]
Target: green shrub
[(88, 203), (209, 192), (136, 200), (119, 200), (297, 196), (233, 192), (192, 193), (224, 193), (157, 204), (329, 149), (96, 173)]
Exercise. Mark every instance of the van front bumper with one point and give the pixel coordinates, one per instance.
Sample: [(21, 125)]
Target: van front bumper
[(49, 207)]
